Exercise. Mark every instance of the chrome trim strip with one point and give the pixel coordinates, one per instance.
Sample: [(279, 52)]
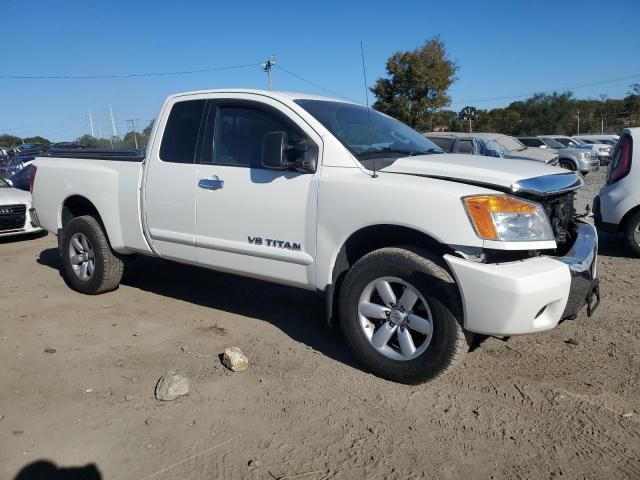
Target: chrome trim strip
[(549, 184)]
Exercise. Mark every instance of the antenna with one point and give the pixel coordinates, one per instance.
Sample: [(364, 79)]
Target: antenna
[(366, 93)]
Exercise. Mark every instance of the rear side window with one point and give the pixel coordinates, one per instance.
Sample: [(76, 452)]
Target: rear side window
[(181, 132)]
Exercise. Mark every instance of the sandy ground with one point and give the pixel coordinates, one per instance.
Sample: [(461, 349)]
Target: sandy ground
[(562, 404)]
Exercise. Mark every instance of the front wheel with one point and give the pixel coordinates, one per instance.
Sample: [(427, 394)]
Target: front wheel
[(632, 233), (567, 165), (90, 266), (400, 313)]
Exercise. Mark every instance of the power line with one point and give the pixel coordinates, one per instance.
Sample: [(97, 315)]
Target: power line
[(333, 92), (125, 75), (525, 95)]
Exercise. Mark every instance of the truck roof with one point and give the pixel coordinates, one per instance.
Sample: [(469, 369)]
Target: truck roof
[(279, 95)]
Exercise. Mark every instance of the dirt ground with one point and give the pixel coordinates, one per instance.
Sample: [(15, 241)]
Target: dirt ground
[(561, 404)]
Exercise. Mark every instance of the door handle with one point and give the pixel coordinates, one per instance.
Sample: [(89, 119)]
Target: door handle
[(213, 183)]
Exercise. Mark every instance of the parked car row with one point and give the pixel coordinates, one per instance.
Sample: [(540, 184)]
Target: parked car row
[(570, 158), (490, 145)]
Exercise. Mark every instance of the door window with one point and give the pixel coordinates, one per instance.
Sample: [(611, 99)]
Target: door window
[(465, 146), (239, 132)]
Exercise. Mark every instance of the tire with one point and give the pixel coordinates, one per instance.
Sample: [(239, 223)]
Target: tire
[(84, 237), (567, 165), (632, 233), (403, 268)]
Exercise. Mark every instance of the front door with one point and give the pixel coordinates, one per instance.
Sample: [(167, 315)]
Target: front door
[(249, 219)]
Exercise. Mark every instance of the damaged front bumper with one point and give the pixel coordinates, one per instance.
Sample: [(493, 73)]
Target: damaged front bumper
[(530, 295)]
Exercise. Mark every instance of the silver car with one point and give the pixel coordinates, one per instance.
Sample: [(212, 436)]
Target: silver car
[(570, 158), (490, 144), (603, 151)]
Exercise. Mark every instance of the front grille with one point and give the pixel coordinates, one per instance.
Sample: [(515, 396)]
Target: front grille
[(561, 213), (12, 217)]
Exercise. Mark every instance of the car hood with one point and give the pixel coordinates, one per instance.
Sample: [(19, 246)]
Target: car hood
[(10, 196), (537, 154), (502, 173)]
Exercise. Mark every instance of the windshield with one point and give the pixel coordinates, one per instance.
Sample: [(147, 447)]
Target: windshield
[(490, 148), (3, 184), (368, 133), (509, 143), (551, 143)]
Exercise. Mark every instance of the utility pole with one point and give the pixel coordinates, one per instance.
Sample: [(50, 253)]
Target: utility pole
[(135, 135), (266, 66), (578, 122), (91, 124), (469, 113)]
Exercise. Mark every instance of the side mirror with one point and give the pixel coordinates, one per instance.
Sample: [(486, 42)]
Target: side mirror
[(274, 151), (277, 154)]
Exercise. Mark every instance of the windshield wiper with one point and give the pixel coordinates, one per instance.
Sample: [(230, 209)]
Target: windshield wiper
[(408, 153)]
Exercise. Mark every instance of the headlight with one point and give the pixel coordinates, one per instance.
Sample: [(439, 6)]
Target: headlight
[(584, 155), (507, 219)]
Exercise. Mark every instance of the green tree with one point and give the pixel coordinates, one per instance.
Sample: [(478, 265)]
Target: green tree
[(37, 139), (10, 141), (417, 84)]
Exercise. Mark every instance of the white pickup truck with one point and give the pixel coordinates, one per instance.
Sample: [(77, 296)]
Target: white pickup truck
[(415, 250)]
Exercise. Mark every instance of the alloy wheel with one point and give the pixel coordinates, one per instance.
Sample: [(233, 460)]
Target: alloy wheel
[(395, 318), (82, 256)]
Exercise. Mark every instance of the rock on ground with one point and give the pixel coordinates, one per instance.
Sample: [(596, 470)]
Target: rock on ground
[(235, 360), (171, 386)]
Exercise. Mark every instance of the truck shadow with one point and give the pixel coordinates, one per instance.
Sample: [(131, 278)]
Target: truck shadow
[(46, 470), (298, 313)]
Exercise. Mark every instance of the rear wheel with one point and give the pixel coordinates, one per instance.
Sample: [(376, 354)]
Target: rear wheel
[(401, 315), (632, 233), (90, 266), (567, 165)]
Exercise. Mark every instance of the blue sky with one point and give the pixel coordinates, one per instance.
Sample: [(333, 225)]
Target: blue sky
[(504, 49)]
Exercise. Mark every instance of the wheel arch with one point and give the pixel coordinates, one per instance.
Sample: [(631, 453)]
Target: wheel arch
[(623, 222), (366, 240), (76, 206), (573, 161)]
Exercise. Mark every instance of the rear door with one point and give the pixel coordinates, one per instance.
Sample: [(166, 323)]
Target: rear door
[(170, 182), (250, 219)]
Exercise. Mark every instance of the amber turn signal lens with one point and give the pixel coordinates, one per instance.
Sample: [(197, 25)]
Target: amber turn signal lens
[(482, 207)]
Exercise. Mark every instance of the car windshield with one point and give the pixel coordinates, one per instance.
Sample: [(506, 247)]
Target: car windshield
[(368, 133), (509, 143), (490, 148), (551, 143)]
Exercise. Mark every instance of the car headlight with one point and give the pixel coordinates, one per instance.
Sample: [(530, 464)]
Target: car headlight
[(584, 155), (507, 219)]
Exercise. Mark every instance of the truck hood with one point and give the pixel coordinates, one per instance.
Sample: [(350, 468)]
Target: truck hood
[(503, 174), (10, 196)]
